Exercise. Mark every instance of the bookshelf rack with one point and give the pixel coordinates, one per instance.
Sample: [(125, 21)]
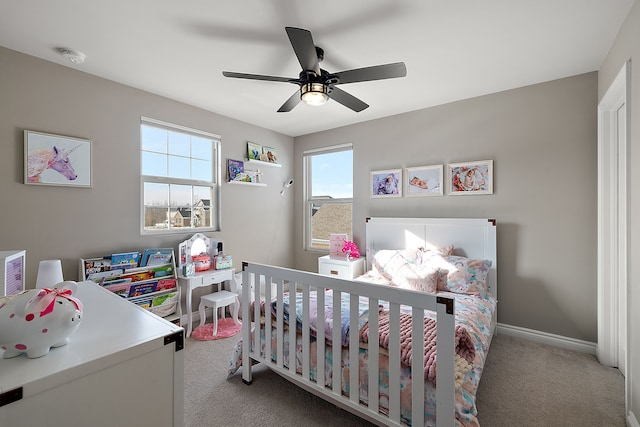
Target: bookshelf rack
[(150, 283)]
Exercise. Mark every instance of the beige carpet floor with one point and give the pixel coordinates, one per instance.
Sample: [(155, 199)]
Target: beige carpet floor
[(524, 384)]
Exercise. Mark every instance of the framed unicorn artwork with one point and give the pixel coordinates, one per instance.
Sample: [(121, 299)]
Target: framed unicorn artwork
[(56, 160)]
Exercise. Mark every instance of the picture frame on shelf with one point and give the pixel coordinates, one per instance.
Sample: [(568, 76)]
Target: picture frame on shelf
[(57, 160), (470, 178), (270, 154), (386, 183), (12, 272), (424, 181), (253, 151)]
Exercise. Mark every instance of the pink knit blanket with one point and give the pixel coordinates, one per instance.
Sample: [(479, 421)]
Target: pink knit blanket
[(463, 343)]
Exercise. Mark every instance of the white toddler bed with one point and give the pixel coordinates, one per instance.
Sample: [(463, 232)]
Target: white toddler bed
[(386, 319)]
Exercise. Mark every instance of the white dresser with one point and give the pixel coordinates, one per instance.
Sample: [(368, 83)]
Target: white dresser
[(123, 366)]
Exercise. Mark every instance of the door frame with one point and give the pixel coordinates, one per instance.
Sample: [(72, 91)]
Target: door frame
[(613, 229)]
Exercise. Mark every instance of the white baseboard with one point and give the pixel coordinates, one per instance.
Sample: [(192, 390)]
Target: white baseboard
[(547, 338), (631, 420)]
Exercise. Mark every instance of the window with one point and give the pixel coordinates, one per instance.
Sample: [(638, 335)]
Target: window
[(180, 178), (328, 175)]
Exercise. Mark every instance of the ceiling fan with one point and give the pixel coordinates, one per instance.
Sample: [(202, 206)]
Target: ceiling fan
[(317, 86)]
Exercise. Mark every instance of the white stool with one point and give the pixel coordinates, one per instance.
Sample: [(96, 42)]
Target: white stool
[(217, 300)]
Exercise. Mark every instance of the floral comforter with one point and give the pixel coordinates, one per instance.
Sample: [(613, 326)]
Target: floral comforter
[(473, 314)]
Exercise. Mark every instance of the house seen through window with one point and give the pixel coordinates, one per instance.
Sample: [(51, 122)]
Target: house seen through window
[(329, 195), (180, 178)]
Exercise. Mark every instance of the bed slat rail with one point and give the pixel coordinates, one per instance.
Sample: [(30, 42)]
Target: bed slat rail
[(298, 368)]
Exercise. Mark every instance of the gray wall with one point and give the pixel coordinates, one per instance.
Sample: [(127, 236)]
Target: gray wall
[(625, 47), (543, 141), (70, 223)]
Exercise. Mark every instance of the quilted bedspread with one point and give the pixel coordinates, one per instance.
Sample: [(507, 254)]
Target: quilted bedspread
[(345, 299), (473, 335)]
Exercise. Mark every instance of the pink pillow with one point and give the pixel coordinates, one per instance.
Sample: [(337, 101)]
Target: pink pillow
[(465, 275)]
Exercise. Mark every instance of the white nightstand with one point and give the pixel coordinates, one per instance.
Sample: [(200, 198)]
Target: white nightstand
[(341, 267)]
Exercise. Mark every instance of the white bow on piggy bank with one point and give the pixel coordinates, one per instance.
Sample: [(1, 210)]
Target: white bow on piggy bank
[(37, 319)]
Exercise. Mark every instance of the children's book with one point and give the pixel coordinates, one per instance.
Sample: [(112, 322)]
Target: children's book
[(270, 154), (166, 284), (253, 151), (156, 256), (161, 299), (235, 168), (96, 277), (163, 270), (138, 289), (98, 265), (121, 289), (125, 260), (139, 277)]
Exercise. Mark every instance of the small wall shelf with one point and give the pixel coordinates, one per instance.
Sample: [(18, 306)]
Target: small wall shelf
[(255, 184), (261, 163)]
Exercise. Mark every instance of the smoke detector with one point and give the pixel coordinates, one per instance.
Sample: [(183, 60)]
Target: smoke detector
[(72, 55)]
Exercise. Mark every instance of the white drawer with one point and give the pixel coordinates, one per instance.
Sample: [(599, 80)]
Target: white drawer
[(342, 268), (337, 270)]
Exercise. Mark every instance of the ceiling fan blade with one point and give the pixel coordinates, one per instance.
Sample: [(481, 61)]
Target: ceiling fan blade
[(347, 100), (302, 43), (290, 103), (377, 72), (258, 77)]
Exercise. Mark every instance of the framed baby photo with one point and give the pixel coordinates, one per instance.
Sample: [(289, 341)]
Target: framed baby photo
[(386, 183), (423, 181), (470, 178)]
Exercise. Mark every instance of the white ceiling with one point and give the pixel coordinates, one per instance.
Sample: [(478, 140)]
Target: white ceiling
[(453, 49)]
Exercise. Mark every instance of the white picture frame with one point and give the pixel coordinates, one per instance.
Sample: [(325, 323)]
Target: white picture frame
[(469, 178), (386, 183), (57, 160), (424, 181)]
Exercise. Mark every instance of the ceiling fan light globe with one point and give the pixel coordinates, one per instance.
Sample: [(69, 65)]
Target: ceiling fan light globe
[(314, 94)]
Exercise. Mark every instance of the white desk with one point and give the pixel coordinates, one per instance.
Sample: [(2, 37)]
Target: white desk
[(123, 366), (205, 278)]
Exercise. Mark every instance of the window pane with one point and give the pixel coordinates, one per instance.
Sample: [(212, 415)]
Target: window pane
[(201, 148), (201, 170), (181, 217), (179, 172), (179, 167), (179, 144), (154, 164), (180, 195), (156, 194), (154, 139), (202, 196), (332, 175), (201, 217), (329, 218), (156, 218)]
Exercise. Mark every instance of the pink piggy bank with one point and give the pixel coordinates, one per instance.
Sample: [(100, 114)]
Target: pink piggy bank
[(37, 319)]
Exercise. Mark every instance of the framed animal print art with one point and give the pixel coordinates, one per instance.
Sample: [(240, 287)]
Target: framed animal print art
[(56, 160)]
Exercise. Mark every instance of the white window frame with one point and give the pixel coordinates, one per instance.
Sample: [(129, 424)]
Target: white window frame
[(214, 184), (310, 201)]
